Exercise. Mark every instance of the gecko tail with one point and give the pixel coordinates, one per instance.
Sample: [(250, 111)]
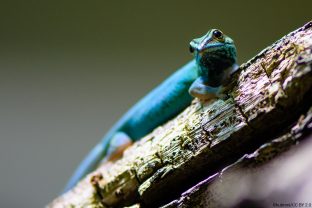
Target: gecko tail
[(109, 149), (89, 163)]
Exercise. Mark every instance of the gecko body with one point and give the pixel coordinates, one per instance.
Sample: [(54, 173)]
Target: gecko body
[(214, 61)]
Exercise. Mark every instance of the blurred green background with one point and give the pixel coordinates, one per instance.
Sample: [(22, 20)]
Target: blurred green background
[(70, 69)]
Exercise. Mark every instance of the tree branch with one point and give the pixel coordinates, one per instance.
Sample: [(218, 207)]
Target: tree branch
[(266, 95)]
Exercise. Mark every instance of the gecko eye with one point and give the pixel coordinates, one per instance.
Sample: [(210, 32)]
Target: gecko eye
[(218, 34), (191, 49)]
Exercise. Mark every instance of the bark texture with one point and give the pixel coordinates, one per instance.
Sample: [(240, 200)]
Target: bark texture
[(260, 179), (266, 96)]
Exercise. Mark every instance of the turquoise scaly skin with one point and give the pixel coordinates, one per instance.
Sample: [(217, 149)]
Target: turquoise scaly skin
[(214, 62)]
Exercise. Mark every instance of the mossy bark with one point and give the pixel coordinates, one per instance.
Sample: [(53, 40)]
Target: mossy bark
[(266, 95)]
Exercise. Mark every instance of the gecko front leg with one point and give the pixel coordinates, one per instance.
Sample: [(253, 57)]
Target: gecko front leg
[(202, 91)]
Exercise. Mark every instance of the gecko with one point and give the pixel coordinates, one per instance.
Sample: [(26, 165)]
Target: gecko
[(203, 77)]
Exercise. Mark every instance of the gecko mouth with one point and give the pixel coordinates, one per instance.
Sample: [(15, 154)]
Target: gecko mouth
[(212, 46)]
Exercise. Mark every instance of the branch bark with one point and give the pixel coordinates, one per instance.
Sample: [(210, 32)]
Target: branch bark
[(266, 95), (261, 179)]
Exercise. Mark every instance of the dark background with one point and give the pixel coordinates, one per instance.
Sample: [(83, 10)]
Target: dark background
[(69, 70)]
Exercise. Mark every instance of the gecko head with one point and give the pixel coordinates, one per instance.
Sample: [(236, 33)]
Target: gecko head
[(214, 51)]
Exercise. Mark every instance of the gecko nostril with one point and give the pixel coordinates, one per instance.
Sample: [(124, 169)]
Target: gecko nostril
[(191, 49)]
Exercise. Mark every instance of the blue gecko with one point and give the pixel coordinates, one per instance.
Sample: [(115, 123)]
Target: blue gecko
[(214, 62)]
